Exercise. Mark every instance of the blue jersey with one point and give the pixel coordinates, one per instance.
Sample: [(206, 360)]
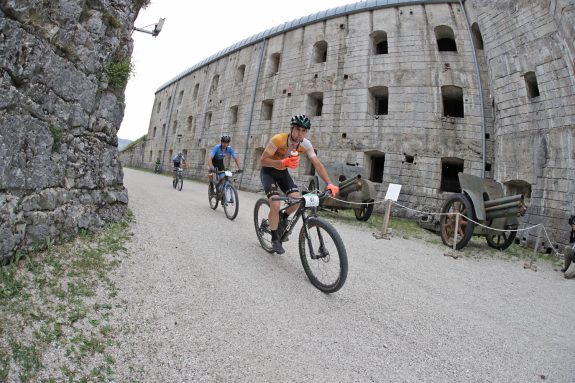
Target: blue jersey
[(218, 154)]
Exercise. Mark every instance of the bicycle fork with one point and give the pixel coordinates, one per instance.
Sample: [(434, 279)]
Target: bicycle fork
[(322, 249)]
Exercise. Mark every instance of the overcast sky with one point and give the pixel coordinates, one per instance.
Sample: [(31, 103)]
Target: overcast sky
[(193, 31)]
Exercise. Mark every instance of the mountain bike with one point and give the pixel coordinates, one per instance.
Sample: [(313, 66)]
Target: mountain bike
[(321, 248), (224, 191), (178, 180)]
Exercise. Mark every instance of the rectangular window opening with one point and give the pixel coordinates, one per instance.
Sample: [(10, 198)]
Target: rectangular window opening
[(449, 175)]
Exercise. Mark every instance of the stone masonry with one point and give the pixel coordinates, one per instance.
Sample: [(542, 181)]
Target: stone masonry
[(518, 54), (59, 113)]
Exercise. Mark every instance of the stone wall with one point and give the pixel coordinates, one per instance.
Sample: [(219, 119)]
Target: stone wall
[(527, 142), (60, 108)]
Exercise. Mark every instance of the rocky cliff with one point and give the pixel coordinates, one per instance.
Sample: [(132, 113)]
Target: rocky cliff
[(64, 65)]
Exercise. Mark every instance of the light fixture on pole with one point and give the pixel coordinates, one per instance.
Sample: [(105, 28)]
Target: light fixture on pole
[(157, 28)]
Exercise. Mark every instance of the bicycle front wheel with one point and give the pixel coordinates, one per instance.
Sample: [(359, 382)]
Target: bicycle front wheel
[(175, 182), (323, 255), (212, 196), (231, 202), (180, 182), (263, 231)]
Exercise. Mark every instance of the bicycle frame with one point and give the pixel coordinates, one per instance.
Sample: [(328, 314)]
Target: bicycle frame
[(301, 212)]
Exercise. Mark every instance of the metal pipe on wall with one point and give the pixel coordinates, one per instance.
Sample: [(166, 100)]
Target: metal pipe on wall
[(478, 73)]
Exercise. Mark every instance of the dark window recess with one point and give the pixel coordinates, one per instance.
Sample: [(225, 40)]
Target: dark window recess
[(477, 38), (344, 135), (449, 178), (377, 165), (345, 77), (446, 45), (487, 167), (381, 105), (452, 97), (531, 83), (409, 159), (487, 136), (381, 48)]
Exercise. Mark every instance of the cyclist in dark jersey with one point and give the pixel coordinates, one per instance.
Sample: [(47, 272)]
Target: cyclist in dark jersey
[(218, 154), (283, 152)]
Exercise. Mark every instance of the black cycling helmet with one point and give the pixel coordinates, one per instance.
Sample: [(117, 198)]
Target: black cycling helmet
[(301, 120), (226, 138)]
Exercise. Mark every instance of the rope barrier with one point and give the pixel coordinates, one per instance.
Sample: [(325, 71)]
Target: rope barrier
[(441, 214)]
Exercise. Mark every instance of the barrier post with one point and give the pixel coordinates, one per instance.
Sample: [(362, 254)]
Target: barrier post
[(390, 196), (456, 231), (384, 233), (538, 240), (529, 264)]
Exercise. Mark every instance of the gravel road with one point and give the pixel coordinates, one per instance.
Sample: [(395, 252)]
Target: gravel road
[(205, 303)]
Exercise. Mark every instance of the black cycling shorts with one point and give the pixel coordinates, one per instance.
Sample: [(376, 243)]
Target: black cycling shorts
[(272, 178), (176, 164)]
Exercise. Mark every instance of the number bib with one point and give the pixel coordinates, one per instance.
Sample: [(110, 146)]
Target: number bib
[(311, 200)]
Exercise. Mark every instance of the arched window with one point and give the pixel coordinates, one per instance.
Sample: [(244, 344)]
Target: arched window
[(452, 97), (267, 109), (196, 89), (320, 52), (215, 81), (445, 39), (314, 104), (476, 34), (240, 73), (379, 100), (274, 64), (531, 84), (379, 43)]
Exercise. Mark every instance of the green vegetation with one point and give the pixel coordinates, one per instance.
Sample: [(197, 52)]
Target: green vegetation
[(57, 135), (56, 305), (111, 20), (134, 143), (118, 73)]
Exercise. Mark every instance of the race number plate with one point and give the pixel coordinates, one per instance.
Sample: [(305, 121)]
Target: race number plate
[(228, 173), (311, 200)]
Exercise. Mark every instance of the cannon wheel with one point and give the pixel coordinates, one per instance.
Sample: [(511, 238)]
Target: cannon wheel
[(462, 204), (364, 212), (500, 240)]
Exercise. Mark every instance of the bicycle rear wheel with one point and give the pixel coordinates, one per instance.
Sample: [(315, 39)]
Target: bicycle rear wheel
[(175, 182), (212, 196), (323, 255), (180, 182), (263, 231), (231, 201)]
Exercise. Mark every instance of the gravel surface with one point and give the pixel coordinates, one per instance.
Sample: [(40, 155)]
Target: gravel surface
[(206, 303)]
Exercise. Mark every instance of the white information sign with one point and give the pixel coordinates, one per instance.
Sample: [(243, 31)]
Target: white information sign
[(393, 192)]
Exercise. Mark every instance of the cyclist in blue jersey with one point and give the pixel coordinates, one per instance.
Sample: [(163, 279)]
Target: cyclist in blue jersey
[(218, 154)]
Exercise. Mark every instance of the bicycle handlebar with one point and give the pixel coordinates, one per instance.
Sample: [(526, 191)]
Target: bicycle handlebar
[(293, 201)]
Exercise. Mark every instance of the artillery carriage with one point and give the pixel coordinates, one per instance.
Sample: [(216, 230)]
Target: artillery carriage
[(354, 189), (482, 201)]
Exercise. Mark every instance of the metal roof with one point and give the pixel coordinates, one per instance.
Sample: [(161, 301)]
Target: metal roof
[(331, 13)]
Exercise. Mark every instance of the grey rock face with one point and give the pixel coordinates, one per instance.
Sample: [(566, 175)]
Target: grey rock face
[(59, 114)]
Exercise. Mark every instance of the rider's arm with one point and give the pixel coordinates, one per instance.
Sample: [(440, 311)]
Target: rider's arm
[(210, 164), (267, 160)]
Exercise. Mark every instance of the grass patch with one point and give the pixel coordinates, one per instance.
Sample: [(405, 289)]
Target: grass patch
[(55, 309), (118, 73), (409, 229)]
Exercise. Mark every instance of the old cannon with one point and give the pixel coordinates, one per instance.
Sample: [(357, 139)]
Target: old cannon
[(354, 189), (481, 200)]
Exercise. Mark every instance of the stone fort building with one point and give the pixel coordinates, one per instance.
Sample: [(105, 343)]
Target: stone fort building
[(412, 91)]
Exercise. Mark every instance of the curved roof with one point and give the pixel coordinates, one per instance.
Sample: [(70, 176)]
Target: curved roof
[(297, 23)]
